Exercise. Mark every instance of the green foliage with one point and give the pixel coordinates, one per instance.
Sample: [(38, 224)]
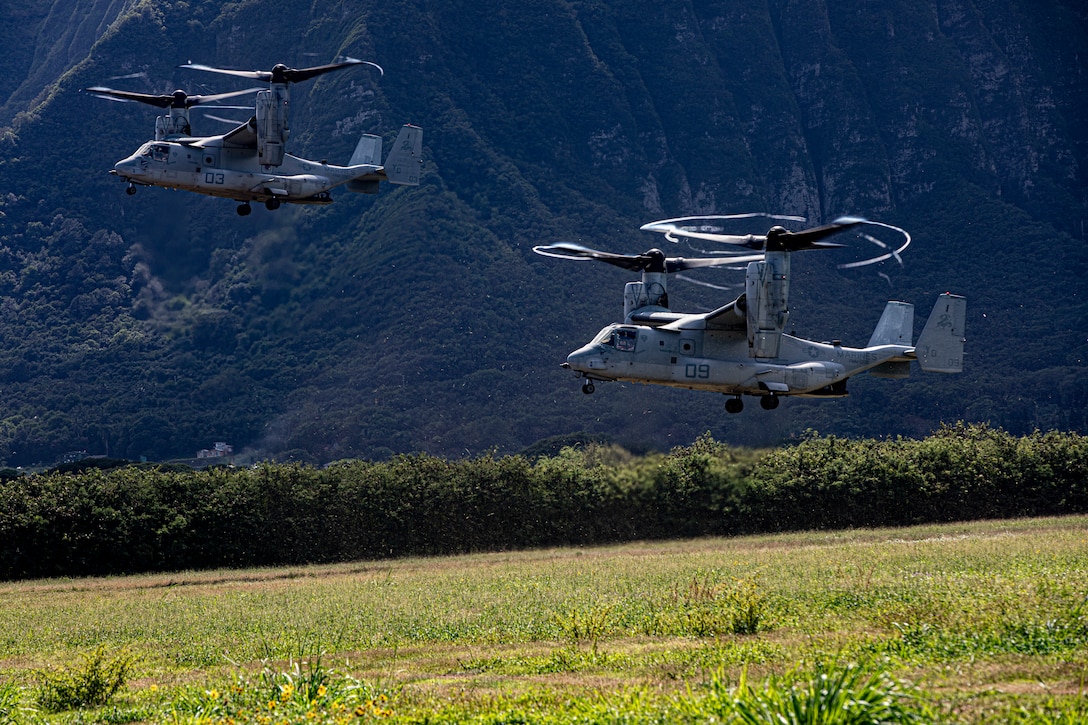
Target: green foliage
[(419, 319), (1065, 632), (140, 518), (706, 608), (840, 694), (91, 683), (306, 692), (11, 698)]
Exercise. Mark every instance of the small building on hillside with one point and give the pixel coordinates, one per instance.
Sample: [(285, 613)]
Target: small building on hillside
[(218, 450)]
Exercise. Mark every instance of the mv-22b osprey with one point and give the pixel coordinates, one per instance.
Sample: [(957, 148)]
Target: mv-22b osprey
[(741, 348), (250, 162)]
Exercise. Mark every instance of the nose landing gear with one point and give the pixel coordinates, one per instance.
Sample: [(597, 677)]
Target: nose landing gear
[(130, 189), (587, 387)]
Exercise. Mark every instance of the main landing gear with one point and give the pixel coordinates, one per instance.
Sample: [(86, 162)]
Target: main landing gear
[(736, 405), (244, 209), (272, 204)]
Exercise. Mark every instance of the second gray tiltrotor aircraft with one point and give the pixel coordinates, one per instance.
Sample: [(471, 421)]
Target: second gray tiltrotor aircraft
[(741, 348)]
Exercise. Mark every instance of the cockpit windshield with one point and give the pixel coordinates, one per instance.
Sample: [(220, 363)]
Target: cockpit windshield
[(621, 338), (604, 337)]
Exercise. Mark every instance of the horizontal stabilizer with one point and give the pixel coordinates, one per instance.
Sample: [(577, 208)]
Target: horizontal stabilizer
[(940, 346)]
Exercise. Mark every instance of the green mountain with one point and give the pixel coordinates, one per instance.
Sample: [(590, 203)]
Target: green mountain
[(420, 320)]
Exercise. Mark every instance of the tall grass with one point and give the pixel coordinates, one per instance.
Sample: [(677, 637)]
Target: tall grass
[(629, 630)]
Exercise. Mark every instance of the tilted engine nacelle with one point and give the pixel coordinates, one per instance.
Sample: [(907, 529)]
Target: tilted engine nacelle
[(766, 288), (173, 125), (650, 292), (272, 128)]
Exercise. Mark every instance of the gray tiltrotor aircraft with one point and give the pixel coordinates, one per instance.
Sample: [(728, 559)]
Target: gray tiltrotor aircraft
[(250, 163), (741, 348)]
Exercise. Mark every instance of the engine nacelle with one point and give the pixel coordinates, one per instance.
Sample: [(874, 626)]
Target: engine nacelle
[(650, 292), (766, 289), (272, 128), (173, 125)]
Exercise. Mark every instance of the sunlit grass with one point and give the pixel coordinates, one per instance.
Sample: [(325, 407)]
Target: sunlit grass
[(981, 618)]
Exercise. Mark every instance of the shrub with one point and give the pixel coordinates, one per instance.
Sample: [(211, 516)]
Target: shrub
[(92, 683)]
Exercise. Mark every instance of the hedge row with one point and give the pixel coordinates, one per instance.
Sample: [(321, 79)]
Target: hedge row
[(135, 519)]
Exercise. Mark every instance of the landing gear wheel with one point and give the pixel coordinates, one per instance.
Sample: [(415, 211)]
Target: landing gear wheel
[(244, 209), (734, 405), (587, 388), (768, 402), (131, 189), (272, 204)]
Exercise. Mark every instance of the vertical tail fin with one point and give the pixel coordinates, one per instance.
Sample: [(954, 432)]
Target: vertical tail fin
[(402, 166), (896, 325), (940, 346), (368, 151)]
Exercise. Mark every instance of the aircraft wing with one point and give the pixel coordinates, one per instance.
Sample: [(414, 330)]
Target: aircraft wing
[(243, 137), (731, 317)]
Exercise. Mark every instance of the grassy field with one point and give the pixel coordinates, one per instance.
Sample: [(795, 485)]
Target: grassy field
[(973, 622)]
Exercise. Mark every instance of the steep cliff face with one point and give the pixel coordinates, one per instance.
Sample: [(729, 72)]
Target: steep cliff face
[(420, 320), (42, 39)]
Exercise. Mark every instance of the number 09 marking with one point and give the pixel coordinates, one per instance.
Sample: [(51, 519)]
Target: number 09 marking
[(691, 370)]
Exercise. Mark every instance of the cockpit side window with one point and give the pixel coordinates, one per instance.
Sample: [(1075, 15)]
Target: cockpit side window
[(160, 152), (625, 340)]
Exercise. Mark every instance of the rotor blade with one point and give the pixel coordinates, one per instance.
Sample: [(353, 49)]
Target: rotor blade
[(177, 99), (218, 107), (281, 73), (692, 280), (232, 121), (260, 75), (708, 228), (679, 264), (199, 100), (349, 59), (807, 238), (695, 228), (893, 254), (304, 74), (114, 95), (567, 250), (652, 260)]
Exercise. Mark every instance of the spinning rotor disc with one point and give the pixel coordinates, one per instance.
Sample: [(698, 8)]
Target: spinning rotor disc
[(652, 260), (280, 73), (177, 99), (777, 239)]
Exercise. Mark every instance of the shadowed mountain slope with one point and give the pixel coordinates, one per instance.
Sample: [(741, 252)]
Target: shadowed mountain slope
[(420, 320)]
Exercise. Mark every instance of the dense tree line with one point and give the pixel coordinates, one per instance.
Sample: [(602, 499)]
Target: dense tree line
[(141, 518)]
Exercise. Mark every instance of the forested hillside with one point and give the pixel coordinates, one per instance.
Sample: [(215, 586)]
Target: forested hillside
[(420, 320)]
